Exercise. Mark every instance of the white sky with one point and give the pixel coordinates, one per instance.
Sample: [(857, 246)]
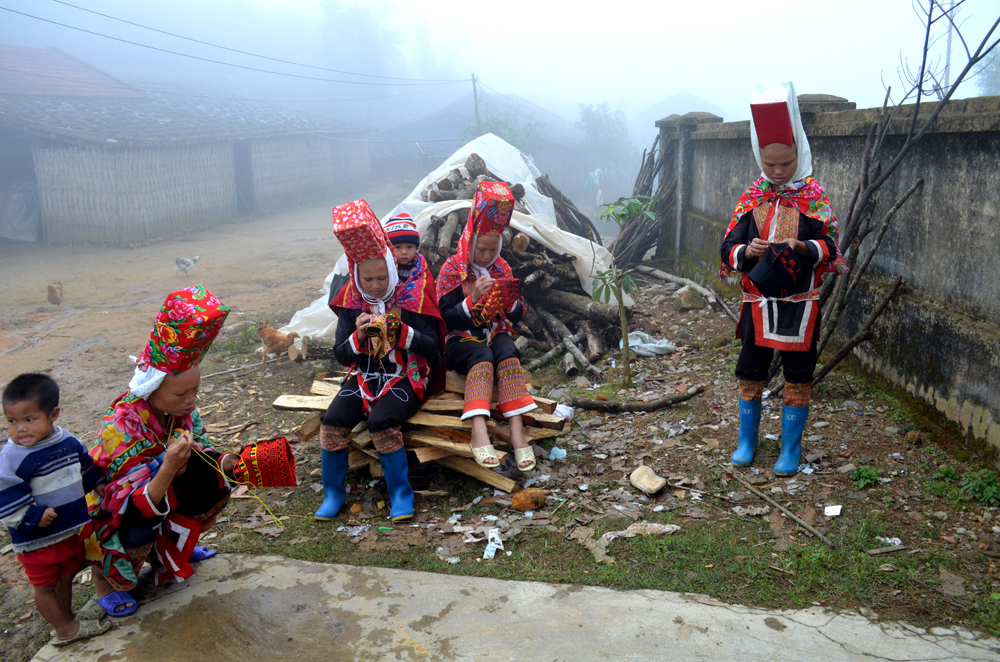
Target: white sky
[(557, 54)]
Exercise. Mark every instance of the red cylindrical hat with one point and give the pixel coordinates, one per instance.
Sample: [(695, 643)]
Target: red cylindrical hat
[(772, 123)]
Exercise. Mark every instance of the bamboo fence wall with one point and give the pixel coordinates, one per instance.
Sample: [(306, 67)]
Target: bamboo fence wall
[(119, 197), (284, 169)]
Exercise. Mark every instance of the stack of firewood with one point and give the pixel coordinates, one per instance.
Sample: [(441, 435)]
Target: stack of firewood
[(435, 434)]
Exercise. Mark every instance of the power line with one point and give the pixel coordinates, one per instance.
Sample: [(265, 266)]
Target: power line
[(227, 64), (263, 57), (216, 98)]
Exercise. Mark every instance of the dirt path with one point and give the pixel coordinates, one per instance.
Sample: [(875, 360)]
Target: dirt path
[(266, 268)]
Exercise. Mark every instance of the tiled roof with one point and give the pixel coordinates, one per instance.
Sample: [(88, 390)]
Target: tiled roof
[(143, 112), (25, 70)]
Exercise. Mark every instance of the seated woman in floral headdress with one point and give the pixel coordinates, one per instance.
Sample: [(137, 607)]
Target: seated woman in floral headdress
[(783, 239), (389, 337), (480, 299), (165, 480)]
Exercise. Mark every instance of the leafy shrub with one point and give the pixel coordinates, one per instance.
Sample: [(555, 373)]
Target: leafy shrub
[(947, 474), (865, 477), (982, 486)]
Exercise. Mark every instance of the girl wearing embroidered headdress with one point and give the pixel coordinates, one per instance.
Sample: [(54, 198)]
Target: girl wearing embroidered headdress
[(389, 336), (480, 299), (783, 239), (165, 480)]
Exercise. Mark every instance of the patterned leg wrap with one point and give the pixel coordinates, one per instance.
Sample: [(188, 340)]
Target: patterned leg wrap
[(135, 558), (332, 438), (751, 391), (478, 390), (513, 395), (387, 441), (798, 395)]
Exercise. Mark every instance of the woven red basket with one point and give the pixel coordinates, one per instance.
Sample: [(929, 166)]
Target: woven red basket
[(268, 463)]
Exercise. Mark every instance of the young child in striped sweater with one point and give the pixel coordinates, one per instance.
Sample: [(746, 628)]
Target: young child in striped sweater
[(44, 474)]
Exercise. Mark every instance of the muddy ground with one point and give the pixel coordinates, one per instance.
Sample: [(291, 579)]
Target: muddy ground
[(731, 544)]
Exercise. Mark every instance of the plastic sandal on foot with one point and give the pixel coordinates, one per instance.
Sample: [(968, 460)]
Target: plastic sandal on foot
[(119, 604), (201, 553), (525, 454), (483, 453), (87, 630)]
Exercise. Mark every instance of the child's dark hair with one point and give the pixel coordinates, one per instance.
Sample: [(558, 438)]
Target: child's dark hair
[(33, 386)]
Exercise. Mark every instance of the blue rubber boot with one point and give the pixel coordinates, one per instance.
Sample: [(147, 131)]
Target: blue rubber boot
[(334, 492), (749, 422), (793, 422), (397, 470)]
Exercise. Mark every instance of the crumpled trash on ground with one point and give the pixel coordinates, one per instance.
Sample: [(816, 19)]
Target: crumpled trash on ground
[(643, 344), (641, 529), (557, 453), (355, 531), (565, 411)]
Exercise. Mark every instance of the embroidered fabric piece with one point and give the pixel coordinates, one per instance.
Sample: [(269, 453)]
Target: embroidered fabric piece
[(383, 332), (750, 391), (513, 394), (387, 441), (797, 395), (332, 438), (478, 389), (496, 301)]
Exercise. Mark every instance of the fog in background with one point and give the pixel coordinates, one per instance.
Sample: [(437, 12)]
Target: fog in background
[(646, 59)]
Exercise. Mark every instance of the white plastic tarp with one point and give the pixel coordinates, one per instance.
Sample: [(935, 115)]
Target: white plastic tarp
[(506, 161)]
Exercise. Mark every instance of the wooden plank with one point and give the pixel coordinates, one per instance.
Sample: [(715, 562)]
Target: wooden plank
[(320, 387), (546, 405), (540, 419), (434, 405), (309, 428), (430, 453), (438, 421), (542, 433), (302, 402), (470, 468), (360, 434), (357, 459), (436, 441), (461, 436)]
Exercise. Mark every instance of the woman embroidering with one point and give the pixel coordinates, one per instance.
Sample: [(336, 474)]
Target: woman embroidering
[(480, 299), (783, 239), (165, 481), (389, 337)]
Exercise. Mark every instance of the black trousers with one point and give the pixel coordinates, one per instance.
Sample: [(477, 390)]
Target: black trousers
[(755, 361), (197, 491), (389, 411), (461, 356)]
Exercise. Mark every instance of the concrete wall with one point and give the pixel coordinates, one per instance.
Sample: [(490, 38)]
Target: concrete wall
[(939, 339)]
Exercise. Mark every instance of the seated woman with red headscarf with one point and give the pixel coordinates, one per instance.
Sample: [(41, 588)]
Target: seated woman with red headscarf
[(389, 337), (783, 239), (480, 299), (165, 480)]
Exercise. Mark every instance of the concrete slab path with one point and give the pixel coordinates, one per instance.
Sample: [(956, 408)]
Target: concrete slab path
[(267, 609)]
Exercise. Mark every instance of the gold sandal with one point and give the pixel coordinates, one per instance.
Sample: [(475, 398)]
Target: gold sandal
[(522, 454), (483, 453)]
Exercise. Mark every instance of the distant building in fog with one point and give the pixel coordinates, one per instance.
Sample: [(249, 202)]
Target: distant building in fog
[(119, 162)]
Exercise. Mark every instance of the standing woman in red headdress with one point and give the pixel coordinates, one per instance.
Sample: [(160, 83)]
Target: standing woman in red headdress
[(783, 239), (389, 336), (480, 299)]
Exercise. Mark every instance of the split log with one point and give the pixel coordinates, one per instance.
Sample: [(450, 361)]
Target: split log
[(309, 428), (521, 343), (437, 195), (452, 182), (476, 166), (320, 387), (594, 346), (617, 407), (553, 353), (302, 402), (470, 468), (560, 331), (521, 241), (315, 349), (517, 190), (446, 233), (568, 365), (601, 313)]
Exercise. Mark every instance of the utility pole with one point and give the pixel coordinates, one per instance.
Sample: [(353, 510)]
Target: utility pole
[(475, 101)]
